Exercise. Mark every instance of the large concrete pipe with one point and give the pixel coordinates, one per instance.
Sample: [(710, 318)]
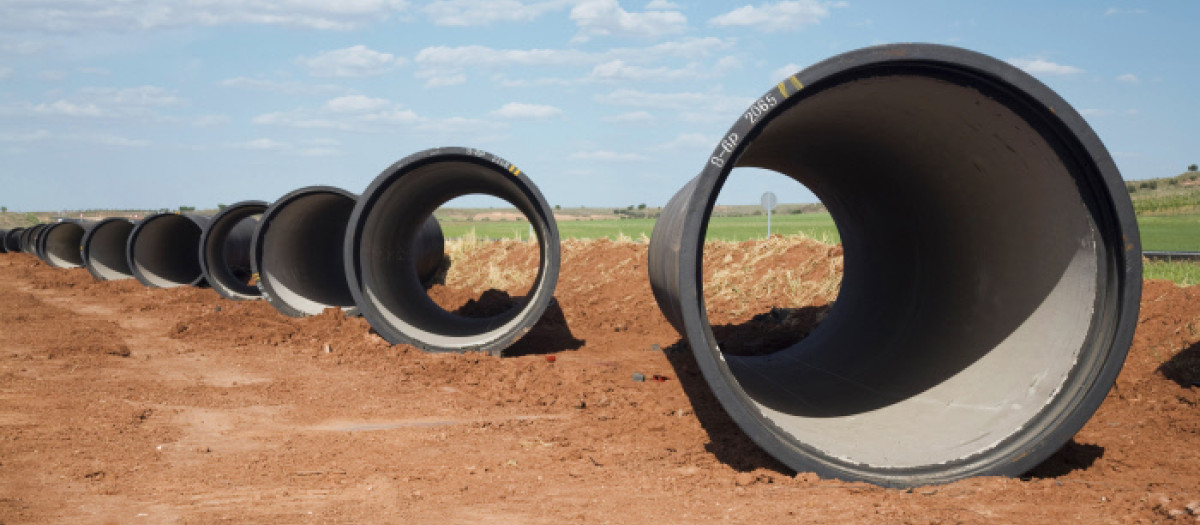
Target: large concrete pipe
[(12, 240), (59, 244), (103, 249), (297, 251), (992, 269), (380, 252), (37, 243), (162, 250), (225, 250)]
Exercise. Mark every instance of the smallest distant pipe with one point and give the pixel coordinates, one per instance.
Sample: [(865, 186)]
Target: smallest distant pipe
[(225, 250), (3, 241), (103, 249), (12, 240), (59, 244), (162, 250)]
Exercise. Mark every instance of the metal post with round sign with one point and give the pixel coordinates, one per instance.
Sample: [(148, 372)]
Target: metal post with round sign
[(768, 203)]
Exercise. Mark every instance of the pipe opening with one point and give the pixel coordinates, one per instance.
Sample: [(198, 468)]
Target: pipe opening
[(225, 250), (768, 293), (387, 277), (491, 262), (61, 245), (297, 251), (162, 250), (103, 249)]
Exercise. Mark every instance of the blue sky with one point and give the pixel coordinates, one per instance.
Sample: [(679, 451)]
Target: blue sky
[(162, 103)]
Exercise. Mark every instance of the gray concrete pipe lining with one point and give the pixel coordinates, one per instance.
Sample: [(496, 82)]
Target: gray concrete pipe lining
[(162, 250), (992, 269), (60, 243), (103, 249), (225, 250), (12, 240), (297, 251), (385, 223)]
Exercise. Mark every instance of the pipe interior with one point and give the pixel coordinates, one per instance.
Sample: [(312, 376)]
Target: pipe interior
[(62, 245), (301, 262), (106, 250), (227, 251), (389, 277), (164, 251), (971, 265)]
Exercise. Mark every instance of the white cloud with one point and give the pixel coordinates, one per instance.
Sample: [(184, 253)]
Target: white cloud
[(356, 104), (1094, 112), (308, 148), (1128, 78), (444, 65), (662, 5), (278, 86), (784, 72), (688, 141), (779, 16), (1038, 66), (518, 110), (31, 136), (1118, 11), (208, 121), (6, 73), (370, 115), (70, 109), (632, 117), (262, 145), (72, 16), (685, 101), (607, 156), (476, 13), (52, 75), (607, 18), (354, 61)]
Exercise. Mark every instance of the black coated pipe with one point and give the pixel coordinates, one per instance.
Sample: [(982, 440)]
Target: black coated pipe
[(28, 236), (37, 241), (992, 269), (297, 251), (12, 240), (59, 243), (225, 250), (162, 250), (103, 249), (381, 260), (3, 241)]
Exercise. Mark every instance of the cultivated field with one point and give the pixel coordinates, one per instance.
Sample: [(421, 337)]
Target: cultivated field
[(122, 404)]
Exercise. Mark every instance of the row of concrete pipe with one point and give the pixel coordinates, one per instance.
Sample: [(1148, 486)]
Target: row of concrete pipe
[(992, 264), (320, 247)]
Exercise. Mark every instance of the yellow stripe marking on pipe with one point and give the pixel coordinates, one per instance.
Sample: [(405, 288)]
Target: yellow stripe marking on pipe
[(782, 91), (796, 83)]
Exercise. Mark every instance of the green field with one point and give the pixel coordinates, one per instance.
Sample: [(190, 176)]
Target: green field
[(816, 225), (1173, 233)]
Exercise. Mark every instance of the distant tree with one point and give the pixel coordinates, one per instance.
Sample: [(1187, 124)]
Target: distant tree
[(222, 206), (1193, 167), (630, 208), (185, 209), (558, 206), (642, 206), (1130, 187), (3, 209)]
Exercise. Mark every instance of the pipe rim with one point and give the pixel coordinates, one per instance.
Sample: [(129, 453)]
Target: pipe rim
[(212, 240), (131, 248), (540, 294), (12, 240), (56, 258), (85, 246), (1020, 451), (265, 284)]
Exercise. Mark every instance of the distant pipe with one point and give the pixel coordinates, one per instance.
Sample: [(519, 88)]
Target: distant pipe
[(384, 266), (103, 249), (162, 250), (12, 240), (297, 251), (59, 244), (27, 238), (225, 250), (3, 241)]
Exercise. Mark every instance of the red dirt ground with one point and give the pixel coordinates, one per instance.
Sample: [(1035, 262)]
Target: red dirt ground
[(121, 404)]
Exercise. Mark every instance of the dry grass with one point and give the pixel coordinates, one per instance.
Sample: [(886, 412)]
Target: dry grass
[(482, 265), (794, 271)]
